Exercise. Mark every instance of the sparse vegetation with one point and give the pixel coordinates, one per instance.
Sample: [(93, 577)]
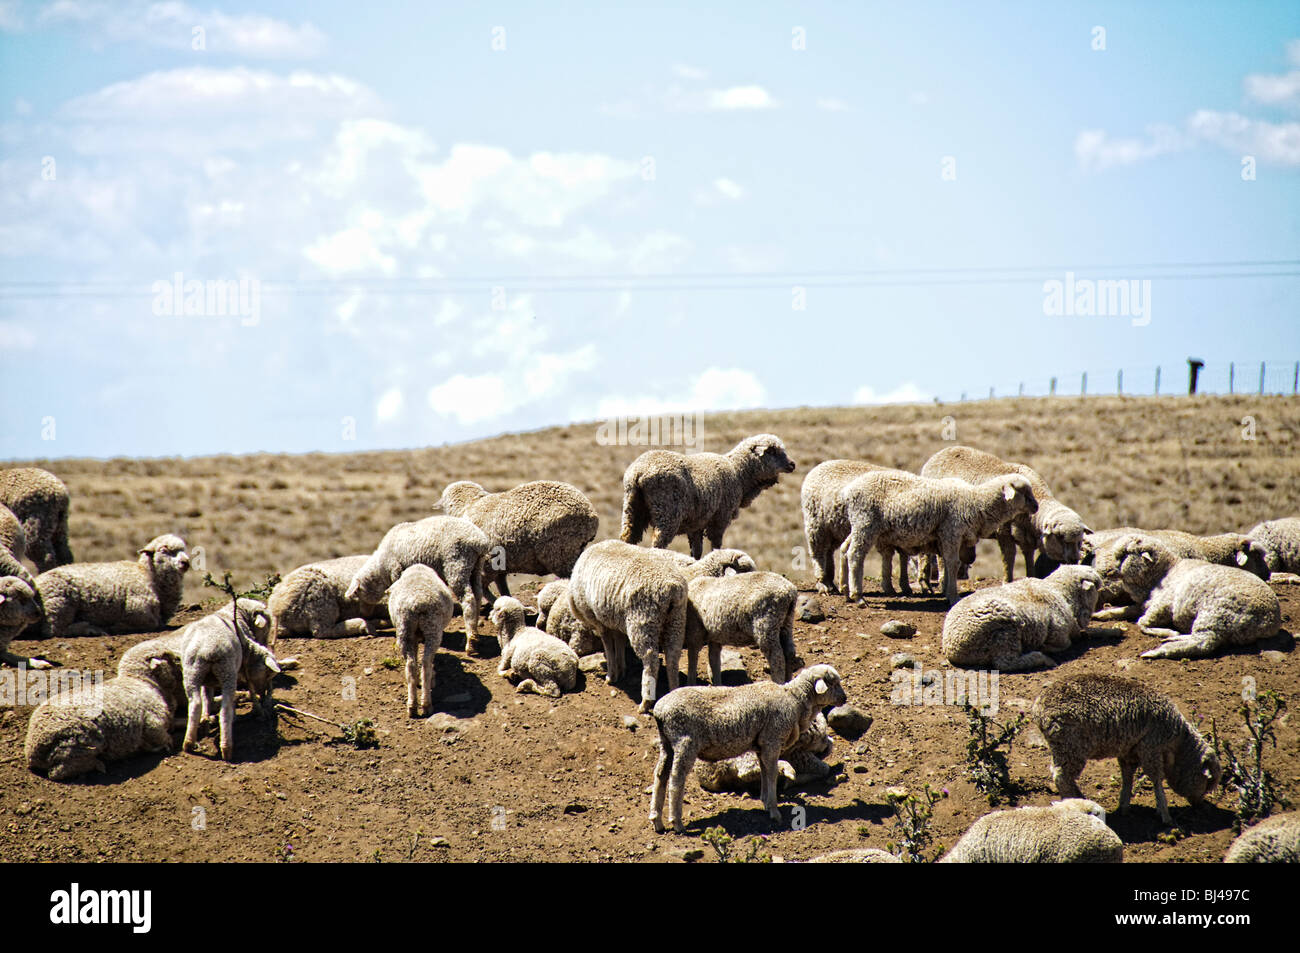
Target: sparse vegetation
[(722, 844), (912, 816), (986, 759), (1257, 791), (361, 734)]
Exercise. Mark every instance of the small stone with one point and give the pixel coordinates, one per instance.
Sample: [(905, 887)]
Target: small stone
[(367, 671), (848, 722), (592, 663), (895, 629), (1273, 655), (575, 808), (731, 661), (901, 660), (692, 855), (809, 609), (630, 723), (439, 841), (23, 809), (1123, 664), (859, 769)]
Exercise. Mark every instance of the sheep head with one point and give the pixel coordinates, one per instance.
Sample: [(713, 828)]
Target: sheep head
[(1143, 562), (761, 460), (459, 496), (17, 602), (508, 616), (165, 555), (1018, 494)]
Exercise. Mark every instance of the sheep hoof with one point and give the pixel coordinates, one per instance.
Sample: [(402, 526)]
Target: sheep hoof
[(38, 664), (189, 746), (644, 707), (412, 711), (227, 753)]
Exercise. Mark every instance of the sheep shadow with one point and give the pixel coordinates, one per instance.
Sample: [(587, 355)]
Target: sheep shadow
[(1142, 824), (921, 603), (750, 818), (457, 692)]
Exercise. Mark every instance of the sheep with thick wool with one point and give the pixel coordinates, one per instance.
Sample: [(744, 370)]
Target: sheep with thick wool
[(539, 528), (312, 600), (421, 606), (1009, 627), (13, 547), (555, 616), (714, 723), (1072, 831), (801, 762), (542, 663), (40, 502), (453, 547), (1280, 541), (1272, 841), (746, 609), (19, 609), (698, 494), (1088, 717), (1195, 607), (1225, 549)]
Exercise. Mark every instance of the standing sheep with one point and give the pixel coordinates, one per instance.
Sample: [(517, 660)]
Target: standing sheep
[(752, 608), (312, 600), (539, 528), (544, 664), (1006, 626), (454, 548), (715, 723), (98, 598), (1089, 717), (894, 509), (1273, 841), (1280, 541), (826, 517), (421, 605), (1073, 831), (40, 502), (700, 494), (1196, 607), (18, 610)]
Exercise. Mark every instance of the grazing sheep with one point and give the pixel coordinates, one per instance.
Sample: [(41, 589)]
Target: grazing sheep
[(454, 548), (1273, 841), (1280, 540), (714, 723), (544, 664), (1196, 607), (312, 600), (540, 527), (1006, 626), (421, 605), (620, 588), (118, 597), (217, 651), (40, 502), (1073, 831), (1089, 717), (1053, 527), (1225, 549), (18, 610), (752, 608), (894, 509), (556, 617), (81, 729), (699, 494), (800, 763)]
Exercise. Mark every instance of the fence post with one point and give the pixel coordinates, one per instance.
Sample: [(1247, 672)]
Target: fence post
[(1194, 366), (1022, 389), (1052, 386), (1157, 379), (1083, 385), (1231, 374), (1295, 381), (1261, 378), (1119, 381)]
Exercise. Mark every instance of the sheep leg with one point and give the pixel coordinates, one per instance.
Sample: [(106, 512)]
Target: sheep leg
[(409, 652), (649, 678), (825, 558), (1007, 544), (887, 570), (1177, 645), (1028, 550), (715, 536), (228, 721), (683, 759), (715, 663), (861, 542), (1117, 614), (1065, 776), (692, 663), (771, 641), (1127, 765), (1154, 768), (697, 544), (343, 628), (8, 658), (841, 553), (662, 767), (768, 755), (469, 603), (951, 560), (195, 698), (607, 640)]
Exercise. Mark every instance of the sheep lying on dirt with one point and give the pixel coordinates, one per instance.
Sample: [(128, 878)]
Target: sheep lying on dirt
[(312, 600), (1053, 527), (801, 762), (556, 617), (751, 608), (13, 546), (714, 723), (1280, 540), (98, 598), (894, 509), (421, 605), (856, 855), (1073, 831), (1196, 607), (82, 728), (454, 548), (539, 528), (40, 502), (1225, 549), (1008, 627), (699, 494), (543, 663), (1272, 841), (18, 610), (1088, 717)]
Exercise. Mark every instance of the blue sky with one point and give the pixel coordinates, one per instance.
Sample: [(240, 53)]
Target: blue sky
[(460, 223)]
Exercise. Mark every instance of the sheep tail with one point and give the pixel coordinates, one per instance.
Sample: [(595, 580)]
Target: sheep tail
[(636, 514)]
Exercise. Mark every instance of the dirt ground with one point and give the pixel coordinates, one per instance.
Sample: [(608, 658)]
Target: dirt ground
[(497, 776)]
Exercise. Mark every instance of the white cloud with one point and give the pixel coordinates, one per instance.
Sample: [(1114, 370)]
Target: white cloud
[(351, 250), (16, 337), (1096, 151), (689, 72), (1270, 142), (741, 97), (907, 393), (718, 190), (389, 405), (714, 389), (474, 398), (1281, 90)]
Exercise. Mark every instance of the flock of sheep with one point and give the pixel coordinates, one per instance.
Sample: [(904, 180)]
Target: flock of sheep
[(1196, 594)]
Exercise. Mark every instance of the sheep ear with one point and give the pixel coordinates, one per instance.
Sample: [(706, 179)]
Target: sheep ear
[(2, 598), (730, 571), (1086, 584), (272, 664), (262, 619), (1088, 531), (821, 686), (1147, 555), (1242, 559), (1009, 492)]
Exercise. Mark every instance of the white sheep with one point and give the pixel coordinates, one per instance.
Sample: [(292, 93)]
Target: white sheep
[(125, 596), (698, 494), (18, 609), (454, 548), (312, 600), (1224, 549), (40, 501), (13, 547), (539, 528), (82, 728), (856, 855), (826, 517), (893, 508), (1272, 841), (716, 722), (1087, 717), (1196, 607), (542, 663), (1280, 540), (1072, 831), (1009, 627), (218, 649), (421, 606), (752, 608), (801, 762), (556, 617)]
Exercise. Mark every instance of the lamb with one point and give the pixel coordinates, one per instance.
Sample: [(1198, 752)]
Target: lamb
[(454, 548), (13, 546), (117, 597), (1053, 527), (421, 605), (1088, 717), (900, 510), (217, 651), (539, 528), (1196, 607), (1225, 549), (1073, 831), (714, 723), (556, 617), (826, 517), (1273, 841), (1280, 540), (18, 609), (40, 501), (698, 494), (752, 608), (544, 664), (71, 733), (800, 763), (312, 600), (1009, 627)]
